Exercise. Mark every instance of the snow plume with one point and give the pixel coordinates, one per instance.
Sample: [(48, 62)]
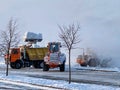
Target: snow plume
[(101, 29)]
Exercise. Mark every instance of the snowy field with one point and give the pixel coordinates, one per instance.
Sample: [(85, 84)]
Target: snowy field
[(53, 83)]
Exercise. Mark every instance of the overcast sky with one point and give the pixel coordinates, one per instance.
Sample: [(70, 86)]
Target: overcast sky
[(99, 21)]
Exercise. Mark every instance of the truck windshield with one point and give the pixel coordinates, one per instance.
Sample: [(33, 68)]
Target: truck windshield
[(14, 51), (54, 47)]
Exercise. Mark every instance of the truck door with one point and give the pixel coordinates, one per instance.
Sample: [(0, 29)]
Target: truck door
[(14, 54)]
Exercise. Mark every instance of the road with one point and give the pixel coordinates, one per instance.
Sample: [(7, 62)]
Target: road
[(80, 76)]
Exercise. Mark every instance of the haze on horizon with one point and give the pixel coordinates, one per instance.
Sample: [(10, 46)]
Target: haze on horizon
[(99, 21)]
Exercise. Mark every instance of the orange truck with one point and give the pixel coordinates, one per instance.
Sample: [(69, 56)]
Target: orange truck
[(29, 54), (39, 57), (54, 58), (82, 60), (25, 57), (87, 60)]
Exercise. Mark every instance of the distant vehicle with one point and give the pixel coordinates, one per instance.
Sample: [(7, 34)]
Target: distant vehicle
[(54, 58), (87, 60)]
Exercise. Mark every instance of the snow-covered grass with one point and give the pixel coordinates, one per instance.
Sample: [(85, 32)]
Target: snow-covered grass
[(57, 83), (112, 69)]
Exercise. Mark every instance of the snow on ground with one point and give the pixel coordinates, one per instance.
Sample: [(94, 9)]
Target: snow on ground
[(2, 63), (112, 69), (58, 83)]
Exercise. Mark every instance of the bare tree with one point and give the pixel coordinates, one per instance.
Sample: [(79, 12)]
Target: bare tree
[(9, 38), (69, 37)]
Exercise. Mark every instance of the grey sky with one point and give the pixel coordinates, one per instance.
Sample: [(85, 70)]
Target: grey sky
[(99, 20)]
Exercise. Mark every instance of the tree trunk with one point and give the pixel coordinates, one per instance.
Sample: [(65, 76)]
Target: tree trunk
[(7, 68), (69, 67), (7, 63)]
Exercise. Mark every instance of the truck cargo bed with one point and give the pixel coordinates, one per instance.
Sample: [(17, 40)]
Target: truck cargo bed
[(36, 53)]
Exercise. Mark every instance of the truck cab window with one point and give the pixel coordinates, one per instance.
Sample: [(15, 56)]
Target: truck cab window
[(14, 51)]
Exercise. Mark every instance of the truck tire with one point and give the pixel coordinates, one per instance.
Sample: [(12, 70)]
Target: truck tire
[(18, 64), (35, 64), (62, 67), (83, 65), (45, 67), (12, 65), (41, 64), (38, 64)]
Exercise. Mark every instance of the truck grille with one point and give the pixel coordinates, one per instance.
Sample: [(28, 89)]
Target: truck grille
[(54, 57)]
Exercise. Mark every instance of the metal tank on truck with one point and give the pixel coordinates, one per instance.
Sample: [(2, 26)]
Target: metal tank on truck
[(29, 54), (54, 58)]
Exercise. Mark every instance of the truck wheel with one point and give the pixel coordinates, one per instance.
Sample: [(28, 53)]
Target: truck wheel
[(35, 64), (41, 64), (45, 67), (62, 67), (12, 65), (18, 64), (38, 64), (83, 65)]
